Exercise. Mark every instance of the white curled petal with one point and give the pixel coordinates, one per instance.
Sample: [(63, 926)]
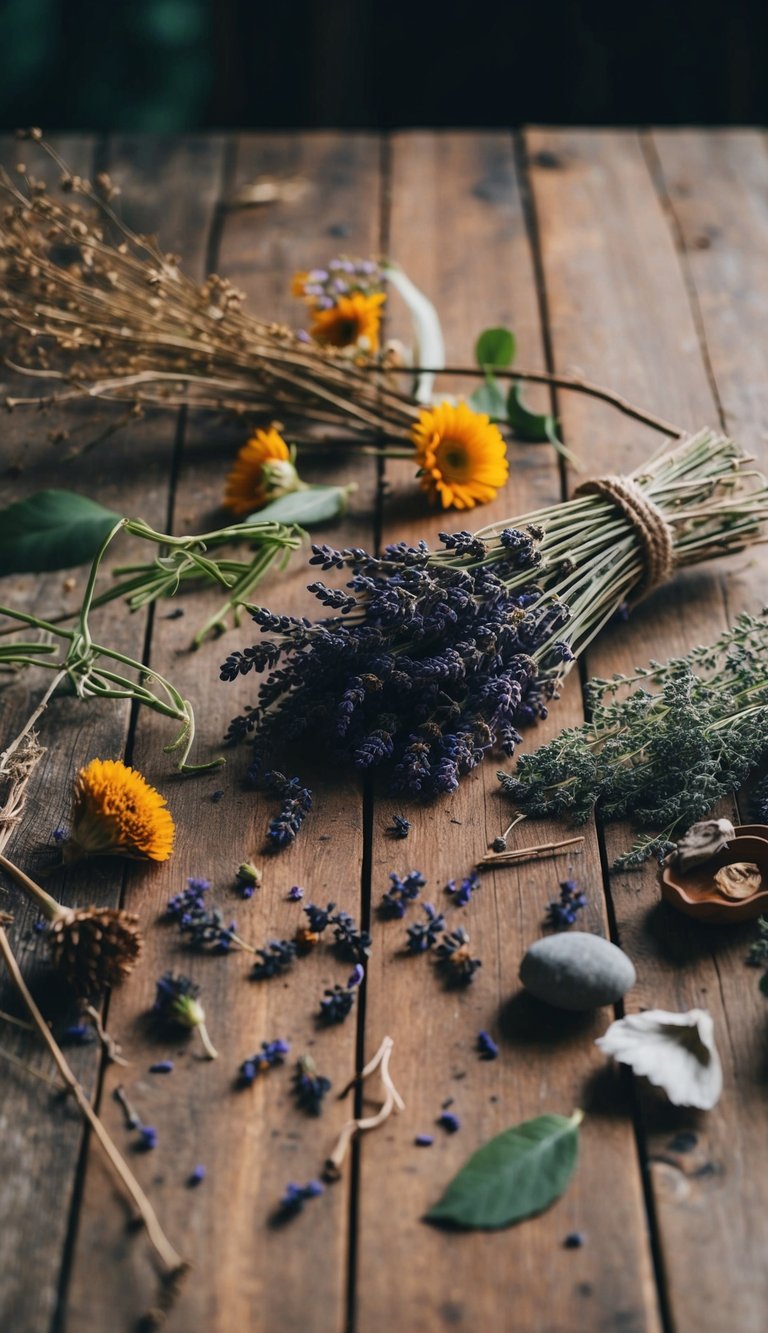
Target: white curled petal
[(429, 347), (675, 1052)]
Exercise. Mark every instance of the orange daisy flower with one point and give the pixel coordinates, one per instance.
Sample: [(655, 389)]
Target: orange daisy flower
[(117, 813), (263, 470), (462, 455), (353, 321)]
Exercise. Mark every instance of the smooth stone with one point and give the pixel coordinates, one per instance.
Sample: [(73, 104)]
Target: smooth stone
[(575, 970)]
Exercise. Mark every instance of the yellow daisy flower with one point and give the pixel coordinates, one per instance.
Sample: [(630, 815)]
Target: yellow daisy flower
[(298, 283), (263, 470), (353, 321), (462, 455), (117, 813)]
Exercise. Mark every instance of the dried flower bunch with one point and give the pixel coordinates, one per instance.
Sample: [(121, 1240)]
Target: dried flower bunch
[(88, 302), (663, 745), (432, 657)]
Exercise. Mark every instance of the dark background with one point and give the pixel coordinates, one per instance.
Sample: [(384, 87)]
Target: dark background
[(170, 65)]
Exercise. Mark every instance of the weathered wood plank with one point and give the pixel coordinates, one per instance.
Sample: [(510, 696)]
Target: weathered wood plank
[(715, 186), (457, 226), (621, 313), (41, 1136), (252, 1143)]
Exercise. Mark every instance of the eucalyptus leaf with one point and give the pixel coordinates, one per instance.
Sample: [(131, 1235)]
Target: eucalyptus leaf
[(489, 398), (534, 427), (316, 504), (518, 1173), (52, 530), (495, 349)]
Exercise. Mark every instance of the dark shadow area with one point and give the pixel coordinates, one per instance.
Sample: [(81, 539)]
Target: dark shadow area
[(526, 1021), (681, 940), (173, 65)]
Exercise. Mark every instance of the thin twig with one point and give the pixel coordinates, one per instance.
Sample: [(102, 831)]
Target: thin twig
[(392, 1102), (527, 853), (172, 1261)]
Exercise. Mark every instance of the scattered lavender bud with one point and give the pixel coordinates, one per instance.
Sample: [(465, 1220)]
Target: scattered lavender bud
[(278, 955), (216, 796), (177, 1003), (147, 1138), (318, 920), (351, 944), (336, 1005), (562, 912), (161, 1067), (462, 895), (424, 1140), (196, 1177), (294, 1198), (401, 892), (356, 978), (400, 827), (295, 894), (59, 834), (486, 1046), (272, 1053), (449, 1122), (309, 1087), (422, 935), (574, 1240)]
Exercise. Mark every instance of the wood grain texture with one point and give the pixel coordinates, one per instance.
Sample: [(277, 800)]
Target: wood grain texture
[(40, 1135), (457, 227), (621, 310), (252, 1142)]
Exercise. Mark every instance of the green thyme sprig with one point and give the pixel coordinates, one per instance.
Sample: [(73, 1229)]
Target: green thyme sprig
[(689, 732)]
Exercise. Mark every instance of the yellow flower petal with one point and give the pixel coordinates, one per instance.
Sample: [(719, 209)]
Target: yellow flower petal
[(462, 455), (118, 813), (246, 487), (352, 321)]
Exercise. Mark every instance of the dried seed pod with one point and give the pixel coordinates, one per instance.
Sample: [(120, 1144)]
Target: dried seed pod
[(94, 947), (703, 841)]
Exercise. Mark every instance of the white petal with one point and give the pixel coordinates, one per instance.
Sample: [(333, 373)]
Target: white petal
[(429, 348), (675, 1052)]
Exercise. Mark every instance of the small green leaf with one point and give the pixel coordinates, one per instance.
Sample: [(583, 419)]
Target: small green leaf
[(316, 504), (489, 398), (52, 530), (495, 349), (518, 1173), (533, 427)]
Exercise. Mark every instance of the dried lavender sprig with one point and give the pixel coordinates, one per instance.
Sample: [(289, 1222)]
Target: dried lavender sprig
[(437, 656), (663, 745)]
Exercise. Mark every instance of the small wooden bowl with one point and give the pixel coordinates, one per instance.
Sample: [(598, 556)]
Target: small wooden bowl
[(696, 894)]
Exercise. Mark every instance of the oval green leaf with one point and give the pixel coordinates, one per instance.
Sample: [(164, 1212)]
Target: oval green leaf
[(316, 504), (518, 1173), (495, 349), (52, 530)]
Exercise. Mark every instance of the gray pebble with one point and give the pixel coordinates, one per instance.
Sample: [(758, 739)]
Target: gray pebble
[(575, 970)]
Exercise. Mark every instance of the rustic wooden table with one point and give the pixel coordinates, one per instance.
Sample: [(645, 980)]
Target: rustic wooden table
[(641, 261)]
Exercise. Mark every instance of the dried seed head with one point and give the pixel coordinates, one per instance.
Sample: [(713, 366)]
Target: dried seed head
[(93, 947)]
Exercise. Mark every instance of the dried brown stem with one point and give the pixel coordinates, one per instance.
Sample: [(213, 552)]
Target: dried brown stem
[(172, 1261), (392, 1102), (519, 854)]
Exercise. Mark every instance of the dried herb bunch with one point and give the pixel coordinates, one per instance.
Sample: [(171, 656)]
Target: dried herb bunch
[(663, 745), (434, 656), (88, 302)]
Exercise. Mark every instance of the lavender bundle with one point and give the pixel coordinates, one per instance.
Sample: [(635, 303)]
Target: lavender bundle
[(432, 657)]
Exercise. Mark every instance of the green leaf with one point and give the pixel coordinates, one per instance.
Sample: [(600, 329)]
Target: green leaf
[(316, 504), (520, 1172), (495, 349), (534, 427), (52, 530), (489, 398)]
